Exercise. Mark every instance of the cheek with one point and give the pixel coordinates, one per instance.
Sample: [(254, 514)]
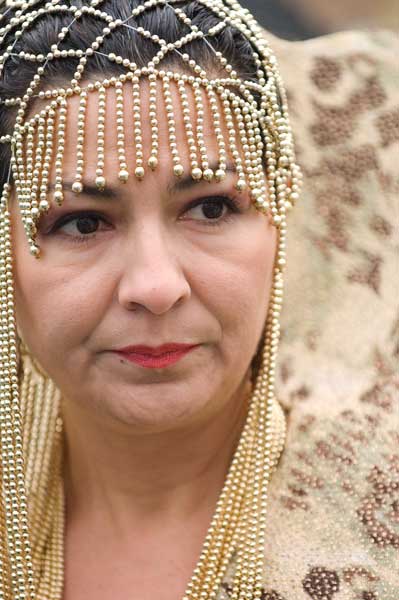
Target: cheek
[(54, 304), (236, 284)]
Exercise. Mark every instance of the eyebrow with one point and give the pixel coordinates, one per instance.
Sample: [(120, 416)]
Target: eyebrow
[(109, 193), (112, 193), (188, 182)]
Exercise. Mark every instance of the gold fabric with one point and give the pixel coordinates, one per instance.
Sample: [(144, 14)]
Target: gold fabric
[(333, 529)]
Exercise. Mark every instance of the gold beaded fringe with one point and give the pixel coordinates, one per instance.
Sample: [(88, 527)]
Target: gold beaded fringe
[(268, 188), (259, 141)]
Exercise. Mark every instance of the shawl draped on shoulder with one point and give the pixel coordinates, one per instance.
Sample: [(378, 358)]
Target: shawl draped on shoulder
[(333, 528)]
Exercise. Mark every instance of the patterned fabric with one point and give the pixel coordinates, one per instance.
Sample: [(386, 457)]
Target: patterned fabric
[(333, 529)]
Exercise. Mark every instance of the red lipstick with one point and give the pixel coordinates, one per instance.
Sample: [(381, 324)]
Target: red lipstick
[(155, 357)]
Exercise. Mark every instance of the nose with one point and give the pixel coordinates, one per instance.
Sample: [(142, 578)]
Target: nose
[(153, 277)]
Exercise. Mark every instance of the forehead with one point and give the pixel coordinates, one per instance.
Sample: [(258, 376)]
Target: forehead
[(136, 119), (109, 128)]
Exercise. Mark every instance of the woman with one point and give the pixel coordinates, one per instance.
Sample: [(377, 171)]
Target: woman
[(146, 192), (135, 212)]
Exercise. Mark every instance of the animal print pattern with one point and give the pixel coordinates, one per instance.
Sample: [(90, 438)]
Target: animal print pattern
[(333, 531)]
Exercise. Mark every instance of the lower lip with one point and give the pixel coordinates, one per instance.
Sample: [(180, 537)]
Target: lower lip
[(156, 362)]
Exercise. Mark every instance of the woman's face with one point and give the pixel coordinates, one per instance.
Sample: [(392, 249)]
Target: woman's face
[(162, 260)]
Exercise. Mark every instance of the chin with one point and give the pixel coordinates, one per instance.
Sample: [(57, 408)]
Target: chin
[(154, 412)]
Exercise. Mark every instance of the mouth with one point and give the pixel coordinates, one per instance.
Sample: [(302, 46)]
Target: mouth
[(155, 358)]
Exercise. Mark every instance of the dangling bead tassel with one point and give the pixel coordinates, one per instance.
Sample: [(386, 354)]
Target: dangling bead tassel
[(35, 187), (196, 172), (207, 172), (241, 184), (77, 186), (271, 174), (138, 135), (16, 524), (247, 538), (219, 549), (28, 217), (256, 148), (102, 98), (19, 172), (5, 572), (178, 168), (27, 191), (153, 159), (228, 516), (120, 128), (220, 173), (50, 548), (40, 403), (248, 166), (48, 154), (270, 435), (59, 156)]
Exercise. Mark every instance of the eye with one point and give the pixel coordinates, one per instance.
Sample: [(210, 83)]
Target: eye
[(85, 225), (213, 210), (78, 227)]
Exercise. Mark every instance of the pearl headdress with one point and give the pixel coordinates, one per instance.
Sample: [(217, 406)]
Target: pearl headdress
[(258, 140)]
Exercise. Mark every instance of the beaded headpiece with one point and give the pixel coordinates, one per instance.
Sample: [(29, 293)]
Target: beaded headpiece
[(256, 139)]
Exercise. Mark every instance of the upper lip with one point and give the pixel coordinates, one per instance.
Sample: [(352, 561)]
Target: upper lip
[(155, 350)]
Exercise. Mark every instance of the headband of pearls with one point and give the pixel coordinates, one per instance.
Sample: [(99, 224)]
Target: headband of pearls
[(255, 130)]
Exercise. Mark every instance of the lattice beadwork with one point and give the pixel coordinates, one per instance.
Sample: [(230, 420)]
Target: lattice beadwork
[(260, 127)]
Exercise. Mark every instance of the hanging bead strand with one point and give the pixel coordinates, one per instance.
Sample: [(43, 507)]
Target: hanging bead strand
[(77, 185), (59, 156), (153, 159), (196, 172), (22, 575), (120, 127), (102, 97), (256, 148), (207, 172), (36, 177), (241, 184), (25, 204), (48, 154), (138, 134), (220, 173), (178, 168)]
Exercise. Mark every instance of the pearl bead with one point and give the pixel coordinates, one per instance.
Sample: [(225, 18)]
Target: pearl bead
[(58, 197), (241, 185), (100, 182), (34, 250), (196, 173), (139, 172), (77, 187), (153, 162), (123, 175), (178, 170), (44, 206), (208, 174)]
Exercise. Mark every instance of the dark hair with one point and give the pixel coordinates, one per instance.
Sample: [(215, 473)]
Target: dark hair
[(163, 21)]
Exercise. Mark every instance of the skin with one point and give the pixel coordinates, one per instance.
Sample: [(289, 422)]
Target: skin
[(147, 450)]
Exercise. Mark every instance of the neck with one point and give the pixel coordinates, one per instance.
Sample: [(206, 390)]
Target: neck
[(130, 478)]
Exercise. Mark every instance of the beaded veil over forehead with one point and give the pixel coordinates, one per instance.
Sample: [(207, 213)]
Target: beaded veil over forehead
[(184, 77), (254, 111)]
